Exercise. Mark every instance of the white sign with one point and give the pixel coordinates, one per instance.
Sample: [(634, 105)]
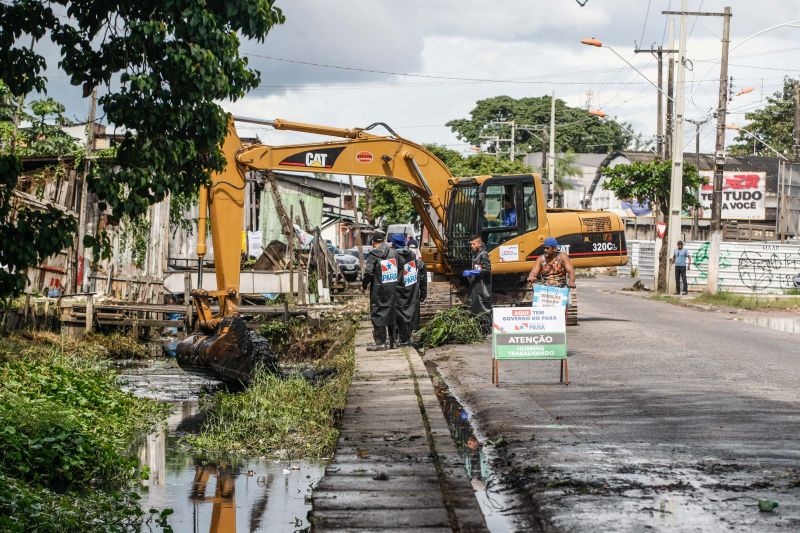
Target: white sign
[(528, 319), (509, 253), (254, 244), (743, 195)]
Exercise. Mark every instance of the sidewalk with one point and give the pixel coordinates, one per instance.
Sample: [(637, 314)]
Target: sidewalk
[(395, 465)]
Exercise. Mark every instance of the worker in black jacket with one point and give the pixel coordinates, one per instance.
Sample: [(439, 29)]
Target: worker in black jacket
[(479, 277), (380, 273), (412, 289)]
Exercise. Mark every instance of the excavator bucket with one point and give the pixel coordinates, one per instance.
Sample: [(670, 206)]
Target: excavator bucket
[(231, 352)]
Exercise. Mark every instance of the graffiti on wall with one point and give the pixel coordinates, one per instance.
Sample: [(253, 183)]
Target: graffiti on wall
[(748, 267), (700, 260), (759, 271)]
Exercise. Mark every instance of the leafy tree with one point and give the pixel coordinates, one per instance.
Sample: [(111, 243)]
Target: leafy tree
[(391, 202), (650, 183), (576, 130), (43, 138), (476, 164), (161, 68), (773, 123)]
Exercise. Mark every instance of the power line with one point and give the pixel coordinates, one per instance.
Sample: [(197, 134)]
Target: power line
[(644, 26)]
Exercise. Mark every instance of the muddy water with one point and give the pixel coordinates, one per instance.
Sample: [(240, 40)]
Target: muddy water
[(250, 495), (496, 501)]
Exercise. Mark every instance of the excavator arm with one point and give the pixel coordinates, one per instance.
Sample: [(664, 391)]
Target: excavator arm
[(363, 154)]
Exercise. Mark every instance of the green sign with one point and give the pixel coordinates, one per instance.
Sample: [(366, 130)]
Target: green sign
[(529, 333)]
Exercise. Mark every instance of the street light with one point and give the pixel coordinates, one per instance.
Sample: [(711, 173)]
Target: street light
[(601, 114), (599, 44), (676, 177), (756, 137)]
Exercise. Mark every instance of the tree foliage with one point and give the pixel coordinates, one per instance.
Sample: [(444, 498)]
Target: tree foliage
[(772, 123), (477, 164), (160, 67), (390, 202), (576, 130), (649, 183)]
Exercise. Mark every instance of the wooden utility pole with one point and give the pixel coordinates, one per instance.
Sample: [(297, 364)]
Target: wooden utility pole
[(357, 228), (658, 54), (83, 192), (719, 161), (695, 213), (306, 225)]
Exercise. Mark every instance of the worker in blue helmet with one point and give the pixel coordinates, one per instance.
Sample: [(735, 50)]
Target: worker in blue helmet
[(553, 267), (479, 279)]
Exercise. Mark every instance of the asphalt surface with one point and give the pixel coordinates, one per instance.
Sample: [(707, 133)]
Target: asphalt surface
[(675, 419)]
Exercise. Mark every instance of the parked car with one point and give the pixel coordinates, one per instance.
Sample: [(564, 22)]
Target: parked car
[(354, 252), (348, 266)]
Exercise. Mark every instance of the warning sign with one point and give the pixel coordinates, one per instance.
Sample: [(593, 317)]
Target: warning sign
[(529, 333)]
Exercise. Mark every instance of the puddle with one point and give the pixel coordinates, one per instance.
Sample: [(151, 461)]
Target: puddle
[(784, 324), (491, 495), (249, 495)]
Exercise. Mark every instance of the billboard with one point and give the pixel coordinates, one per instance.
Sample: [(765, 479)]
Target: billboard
[(743, 195)]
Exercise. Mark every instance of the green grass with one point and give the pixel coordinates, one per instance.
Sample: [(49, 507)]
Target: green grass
[(743, 301), (730, 299), (65, 427), (285, 417)]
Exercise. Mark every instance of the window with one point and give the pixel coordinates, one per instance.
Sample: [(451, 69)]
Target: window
[(499, 218), (531, 221), (461, 215)]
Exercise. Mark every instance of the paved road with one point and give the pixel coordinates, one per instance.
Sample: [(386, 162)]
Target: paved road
[(675, 419)]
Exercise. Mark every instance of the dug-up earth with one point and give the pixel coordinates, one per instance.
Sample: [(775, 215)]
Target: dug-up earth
[(675, 419)]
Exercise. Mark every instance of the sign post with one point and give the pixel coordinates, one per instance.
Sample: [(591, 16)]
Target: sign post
[(529, 333)]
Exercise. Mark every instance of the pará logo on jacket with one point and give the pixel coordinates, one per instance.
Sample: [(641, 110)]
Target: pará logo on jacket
[(410, 273), (389, 271)]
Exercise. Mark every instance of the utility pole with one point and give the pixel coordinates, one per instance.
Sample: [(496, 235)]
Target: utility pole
[(551, 157), (512, 152), (676, 191), (83, 192), (695, 213), (670, 90), (658, 53), (719, 161), (676, 180), (513, 139)]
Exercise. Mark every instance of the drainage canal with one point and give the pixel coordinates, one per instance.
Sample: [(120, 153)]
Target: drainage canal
[(497, 502), (246, 495)]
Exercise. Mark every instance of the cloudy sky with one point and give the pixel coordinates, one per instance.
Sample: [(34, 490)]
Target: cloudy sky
[(416, 64)]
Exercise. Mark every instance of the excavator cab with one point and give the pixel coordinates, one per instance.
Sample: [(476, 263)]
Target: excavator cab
[(501, 209)]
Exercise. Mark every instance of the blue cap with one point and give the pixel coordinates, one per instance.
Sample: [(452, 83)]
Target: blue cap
[(551, 241), (398, 240)]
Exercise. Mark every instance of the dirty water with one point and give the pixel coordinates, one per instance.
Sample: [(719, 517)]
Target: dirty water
[(250, 495), (784, 324), (494, 498)]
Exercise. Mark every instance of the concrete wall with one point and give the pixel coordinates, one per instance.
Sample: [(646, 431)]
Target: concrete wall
[(745, 267)]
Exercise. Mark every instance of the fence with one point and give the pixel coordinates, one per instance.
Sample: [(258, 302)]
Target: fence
[(641, 256), (765, 267), (745, 267)]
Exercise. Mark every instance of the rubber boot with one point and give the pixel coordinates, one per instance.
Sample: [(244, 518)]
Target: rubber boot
[(379, 334)]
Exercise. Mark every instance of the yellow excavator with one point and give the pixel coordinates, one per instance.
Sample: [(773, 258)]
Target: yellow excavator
[(451, 209)]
